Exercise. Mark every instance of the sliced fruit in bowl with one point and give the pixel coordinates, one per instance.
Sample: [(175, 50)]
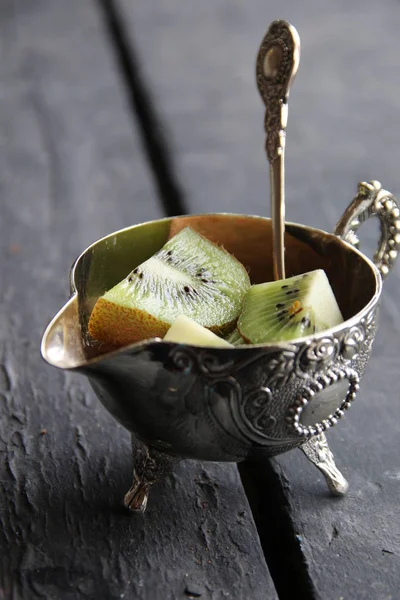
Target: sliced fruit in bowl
[(288, 309), (186, 331), (189, 275)]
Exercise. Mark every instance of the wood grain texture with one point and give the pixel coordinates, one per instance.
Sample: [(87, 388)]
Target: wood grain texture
[(200, 60), (343, 127), (72, 170), (355, 542)]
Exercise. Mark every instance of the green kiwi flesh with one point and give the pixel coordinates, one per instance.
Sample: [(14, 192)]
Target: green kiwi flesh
[(288, 309), (188, 276), (235, 338)]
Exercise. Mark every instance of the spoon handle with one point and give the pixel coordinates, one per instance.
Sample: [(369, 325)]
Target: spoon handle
[(276, 67)]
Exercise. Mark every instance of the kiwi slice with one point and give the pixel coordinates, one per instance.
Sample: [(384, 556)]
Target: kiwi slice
[(288, 309), (189, 275), (186, 331)]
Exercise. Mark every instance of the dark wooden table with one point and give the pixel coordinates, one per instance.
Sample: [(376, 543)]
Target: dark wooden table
[(116, 112)]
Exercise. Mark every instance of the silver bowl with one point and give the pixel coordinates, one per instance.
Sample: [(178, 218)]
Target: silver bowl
[(180, 401)]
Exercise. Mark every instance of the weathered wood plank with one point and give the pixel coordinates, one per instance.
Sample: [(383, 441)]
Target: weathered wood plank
[(342, 128), (355, 542), (199, 61), (73, 170)]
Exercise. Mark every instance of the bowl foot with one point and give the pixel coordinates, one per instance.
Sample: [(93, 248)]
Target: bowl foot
[(318, 452), (149, 466)]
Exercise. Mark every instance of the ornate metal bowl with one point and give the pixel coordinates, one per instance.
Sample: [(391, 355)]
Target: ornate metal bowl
[(179, 401)]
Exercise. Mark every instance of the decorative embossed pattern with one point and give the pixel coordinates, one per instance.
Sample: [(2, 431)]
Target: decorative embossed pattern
[(273, 86), (373, 201), (255, 396), (311, 393)]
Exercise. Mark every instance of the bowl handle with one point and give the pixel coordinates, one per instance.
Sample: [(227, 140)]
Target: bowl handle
[(372, 201)]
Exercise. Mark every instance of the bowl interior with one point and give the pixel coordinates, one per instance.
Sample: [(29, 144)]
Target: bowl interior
[(109, 260)]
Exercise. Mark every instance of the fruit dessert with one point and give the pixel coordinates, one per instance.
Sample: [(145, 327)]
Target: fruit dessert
[(189, 275), (194, 292)]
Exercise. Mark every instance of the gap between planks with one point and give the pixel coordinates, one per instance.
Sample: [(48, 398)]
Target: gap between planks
[(262, 484), (149, 125)]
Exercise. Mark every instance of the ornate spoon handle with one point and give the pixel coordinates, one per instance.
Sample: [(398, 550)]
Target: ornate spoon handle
[(276, 67)]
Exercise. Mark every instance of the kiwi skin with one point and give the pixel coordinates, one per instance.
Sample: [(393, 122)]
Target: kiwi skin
[(121, 326)]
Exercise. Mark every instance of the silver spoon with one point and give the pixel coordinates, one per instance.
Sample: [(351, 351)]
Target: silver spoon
[(276, 67)]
